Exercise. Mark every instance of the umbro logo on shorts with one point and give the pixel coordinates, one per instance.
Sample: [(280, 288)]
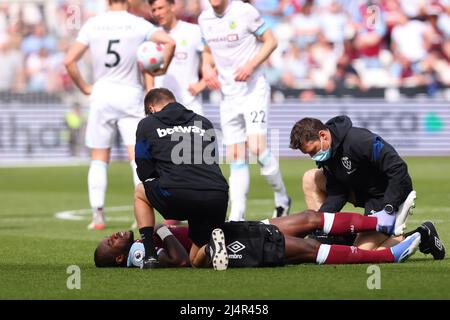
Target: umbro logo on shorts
[(235, 247)]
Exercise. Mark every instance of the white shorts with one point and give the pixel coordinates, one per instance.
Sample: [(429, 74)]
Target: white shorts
[(113, 107), (241, 116)]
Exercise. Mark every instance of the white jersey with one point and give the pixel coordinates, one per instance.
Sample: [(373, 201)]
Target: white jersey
[(233, 42), (113, 38), (184, 67)]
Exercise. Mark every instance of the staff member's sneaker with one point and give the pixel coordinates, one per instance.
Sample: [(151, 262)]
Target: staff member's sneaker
[(216, 250), (405, 209)]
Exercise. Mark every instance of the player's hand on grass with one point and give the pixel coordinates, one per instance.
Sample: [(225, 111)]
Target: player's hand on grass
[(150, 263), (244, 72)]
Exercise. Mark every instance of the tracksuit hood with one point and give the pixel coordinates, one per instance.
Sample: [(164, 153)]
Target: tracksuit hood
[(339, 127), (174, 114)]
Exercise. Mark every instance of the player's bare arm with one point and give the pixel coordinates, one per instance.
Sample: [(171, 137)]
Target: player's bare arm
[(196, 88), (149, 81), (169, 49), (208, 70), (270, 43), (173, 254), (70, 62)]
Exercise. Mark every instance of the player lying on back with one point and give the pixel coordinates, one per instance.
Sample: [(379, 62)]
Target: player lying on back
[(120, 250)]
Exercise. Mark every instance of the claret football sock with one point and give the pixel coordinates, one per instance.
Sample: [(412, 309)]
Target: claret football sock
[(338, 254), (147, 239), (344, 223)]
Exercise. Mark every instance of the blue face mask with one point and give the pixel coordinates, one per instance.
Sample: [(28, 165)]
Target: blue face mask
[(322, 155)]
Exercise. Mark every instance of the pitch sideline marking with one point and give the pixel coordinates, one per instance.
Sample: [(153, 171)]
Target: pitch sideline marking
[(85, 214)]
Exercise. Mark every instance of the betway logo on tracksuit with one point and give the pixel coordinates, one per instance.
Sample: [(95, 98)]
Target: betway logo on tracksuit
[(180, 129)]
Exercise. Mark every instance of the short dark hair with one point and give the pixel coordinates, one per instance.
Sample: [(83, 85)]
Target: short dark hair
[(104, 259), (150, 2), (305, 130), (158, 95)]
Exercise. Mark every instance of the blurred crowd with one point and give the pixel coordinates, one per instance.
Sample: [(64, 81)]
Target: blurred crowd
[(325, 44), (333, 44)]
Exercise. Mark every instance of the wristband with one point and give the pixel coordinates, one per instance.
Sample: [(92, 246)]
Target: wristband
[(164, 232)]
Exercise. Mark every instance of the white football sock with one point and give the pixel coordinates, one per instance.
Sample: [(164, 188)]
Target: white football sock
[(239, 185), (136, 180), (328, 220), (271, 170), (97, 182), (322, 255)]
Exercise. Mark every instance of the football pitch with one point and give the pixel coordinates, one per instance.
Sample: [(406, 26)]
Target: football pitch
[(44, 214)]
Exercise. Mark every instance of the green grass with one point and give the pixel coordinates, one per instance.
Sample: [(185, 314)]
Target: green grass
[(37, 248)]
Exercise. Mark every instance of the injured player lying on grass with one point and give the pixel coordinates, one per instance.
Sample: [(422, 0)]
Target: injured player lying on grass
[(121, 250)]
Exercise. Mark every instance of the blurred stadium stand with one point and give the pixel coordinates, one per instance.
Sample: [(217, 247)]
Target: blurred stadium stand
[(33, 131)]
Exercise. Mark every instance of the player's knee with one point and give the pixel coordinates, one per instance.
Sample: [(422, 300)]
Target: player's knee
[(139, 191), (235, 152), (257, 148), (257, 144)]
